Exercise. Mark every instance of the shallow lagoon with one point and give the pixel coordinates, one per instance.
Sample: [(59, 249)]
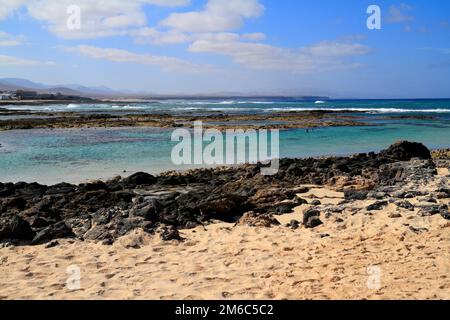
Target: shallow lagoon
[(77, 155)]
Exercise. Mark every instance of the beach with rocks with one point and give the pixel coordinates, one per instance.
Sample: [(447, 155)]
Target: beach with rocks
[(247, 152), (316, 230)]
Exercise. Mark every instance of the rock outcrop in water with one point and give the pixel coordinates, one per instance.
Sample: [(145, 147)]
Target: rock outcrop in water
[(221, 121), (31, 213)]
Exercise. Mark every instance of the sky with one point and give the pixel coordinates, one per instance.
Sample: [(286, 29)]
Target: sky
[(271, 47)]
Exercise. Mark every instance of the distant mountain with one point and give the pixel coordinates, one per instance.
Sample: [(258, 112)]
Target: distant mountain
[(21, 83), (102, 92), (12, 84), (91, 90)]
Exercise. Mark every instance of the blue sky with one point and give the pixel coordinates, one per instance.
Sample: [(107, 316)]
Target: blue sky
[(232, 46)]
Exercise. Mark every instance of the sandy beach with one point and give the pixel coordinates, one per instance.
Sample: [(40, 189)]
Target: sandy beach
[(257, 154), (340, 259)]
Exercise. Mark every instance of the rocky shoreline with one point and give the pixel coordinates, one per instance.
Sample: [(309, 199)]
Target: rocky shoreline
[(280, 120), (404, 174)]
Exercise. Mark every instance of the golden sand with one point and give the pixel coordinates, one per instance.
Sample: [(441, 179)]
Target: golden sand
[(366, 256)]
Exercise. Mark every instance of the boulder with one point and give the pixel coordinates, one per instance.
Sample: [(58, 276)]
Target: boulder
[(59, 230), (16, 229), (139, 178), (311, 218), (405, 151), (170, 233), (353, 194), (379, 205), (223, 207), (294, 224), (405, 205), (285, 208), (254, 220), (94, 186)]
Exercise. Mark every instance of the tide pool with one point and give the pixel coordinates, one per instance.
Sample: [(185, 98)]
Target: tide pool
[(78, 155)]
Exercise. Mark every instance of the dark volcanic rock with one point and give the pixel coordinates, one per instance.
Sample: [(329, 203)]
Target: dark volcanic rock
[(17, 229), (405, 151), (94, 186), (105, 211), (431, 210), (52, 244), (313, 222), (285, 208), (405, 205), (311, 218), (379, 205), (352, 194), (170, 233), (148, 210), (140, 178), (403, 172), (418, 230), (59, 230), (299, 201), (37, 222), (16, 203), (224, 207), (62, 188), (254, 220), (294, 224)]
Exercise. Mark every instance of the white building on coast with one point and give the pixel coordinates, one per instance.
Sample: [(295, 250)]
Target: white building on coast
[(6, 96)]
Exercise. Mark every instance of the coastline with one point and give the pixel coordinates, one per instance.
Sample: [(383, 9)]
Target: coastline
[(316, 230), (184, 199), (311, 232), (41, 102)]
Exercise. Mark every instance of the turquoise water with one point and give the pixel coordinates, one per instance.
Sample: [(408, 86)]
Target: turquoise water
[(76, 155)]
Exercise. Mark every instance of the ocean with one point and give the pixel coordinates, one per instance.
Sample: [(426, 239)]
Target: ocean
[(75, 155)]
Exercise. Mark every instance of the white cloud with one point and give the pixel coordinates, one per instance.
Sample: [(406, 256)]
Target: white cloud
[(154, 36), (9, 6), (218, 15), (327, 55), (168, 64), (399, 14), (99, 18), (257, 36), (7, 39), (207, 31), (335, 49), (14, 61)]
